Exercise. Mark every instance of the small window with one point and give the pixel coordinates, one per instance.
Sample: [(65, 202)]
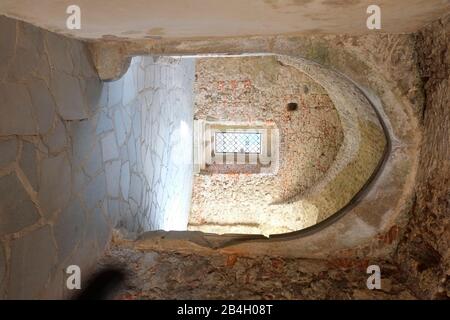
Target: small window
[(237, 142), (227, 147)]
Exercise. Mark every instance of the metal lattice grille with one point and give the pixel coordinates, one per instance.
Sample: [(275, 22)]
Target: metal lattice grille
[(241, 142)]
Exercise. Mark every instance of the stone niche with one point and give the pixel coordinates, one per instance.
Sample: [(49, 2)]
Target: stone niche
[(315, 140)]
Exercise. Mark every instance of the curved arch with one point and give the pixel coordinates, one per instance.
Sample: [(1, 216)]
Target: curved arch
[(382, 199), (362, 150)]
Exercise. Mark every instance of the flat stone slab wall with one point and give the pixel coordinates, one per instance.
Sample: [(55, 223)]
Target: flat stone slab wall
[(79, 157)]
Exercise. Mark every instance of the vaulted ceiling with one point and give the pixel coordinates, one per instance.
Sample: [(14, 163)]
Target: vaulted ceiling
[(140, 19)]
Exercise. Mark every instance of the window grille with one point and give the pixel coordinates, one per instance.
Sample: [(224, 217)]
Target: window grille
[(239, 142)]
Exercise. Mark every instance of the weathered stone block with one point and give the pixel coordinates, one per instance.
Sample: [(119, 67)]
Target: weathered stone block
[(16, 208), (30, 38), (115, 90), (54, 184), (8, 151), (136, 125), (113, 178), (94, 162), (136, 188), (69, 229), (56, 141), (123, 152), (33, 258), (104, 123), (129, 88), (43, 68), (96, 94), (125, 180), (24, 63), (28, 163), (75, 51), (16, 110), (126, 220), (109, 147), (113, 211), (95, 191), (88, 70), (86, 253), (103, 229), (7, 41), (69, 97), (83, 138), (131, 145), (59, 55), (119, 126), (43, 104), (79, 180)]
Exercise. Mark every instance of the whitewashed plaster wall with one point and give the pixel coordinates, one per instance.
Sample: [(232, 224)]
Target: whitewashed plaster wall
[(79, 157)]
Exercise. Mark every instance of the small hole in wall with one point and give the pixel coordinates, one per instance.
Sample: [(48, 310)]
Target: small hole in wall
[(292, 106)]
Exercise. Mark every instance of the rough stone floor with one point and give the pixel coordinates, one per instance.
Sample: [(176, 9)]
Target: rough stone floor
[(170, 275)]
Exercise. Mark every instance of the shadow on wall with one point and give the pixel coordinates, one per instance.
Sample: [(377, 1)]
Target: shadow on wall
[(78, 156)]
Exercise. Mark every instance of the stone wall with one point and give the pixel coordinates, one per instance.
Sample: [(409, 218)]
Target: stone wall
[(420, 267), (424, 252), (252, 89), (79, 157), (165, 274), (383, 67)]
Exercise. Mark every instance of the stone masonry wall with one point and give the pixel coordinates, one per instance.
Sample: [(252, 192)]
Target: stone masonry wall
[(249, 89), (420, 268), (424, 252), (79, 157)]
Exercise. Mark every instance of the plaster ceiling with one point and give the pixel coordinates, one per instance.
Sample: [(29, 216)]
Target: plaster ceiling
[(138, 19)]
